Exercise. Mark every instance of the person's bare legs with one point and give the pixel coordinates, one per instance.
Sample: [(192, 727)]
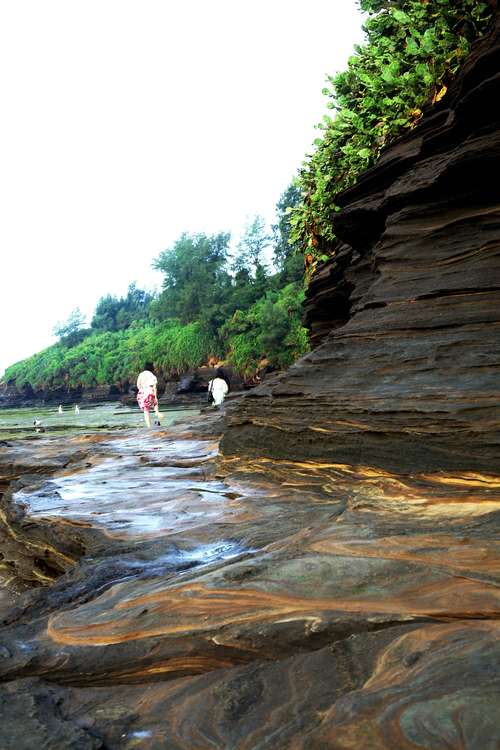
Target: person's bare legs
[(147, 418), (156, 406)]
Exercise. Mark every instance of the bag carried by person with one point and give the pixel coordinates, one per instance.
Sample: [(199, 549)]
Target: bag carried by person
[(210, 395)]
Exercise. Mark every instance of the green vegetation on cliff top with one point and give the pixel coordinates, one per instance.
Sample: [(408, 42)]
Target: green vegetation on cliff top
[(413, 48)]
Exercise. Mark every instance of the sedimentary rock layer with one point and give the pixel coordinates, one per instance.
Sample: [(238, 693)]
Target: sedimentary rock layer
[(408, 378)]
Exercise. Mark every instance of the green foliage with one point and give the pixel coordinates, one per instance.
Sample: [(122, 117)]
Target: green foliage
[(115, 357), (251, 247), (282, 230), (204, 310), (287, 256), (39, 370), (179, 348), (196, 280), (118, 313), (270, 329), (71, 330), (413, 48)]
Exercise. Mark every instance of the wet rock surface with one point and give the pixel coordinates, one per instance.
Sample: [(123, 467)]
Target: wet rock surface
[(243, 602), (331, 579)]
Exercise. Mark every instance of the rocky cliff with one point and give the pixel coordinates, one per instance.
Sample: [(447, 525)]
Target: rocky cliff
[(332, 581), (407, 377)]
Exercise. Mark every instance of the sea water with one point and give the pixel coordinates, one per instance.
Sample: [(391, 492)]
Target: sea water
[(18, 423)]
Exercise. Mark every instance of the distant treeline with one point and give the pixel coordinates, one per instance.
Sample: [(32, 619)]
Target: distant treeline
[(215, 303)]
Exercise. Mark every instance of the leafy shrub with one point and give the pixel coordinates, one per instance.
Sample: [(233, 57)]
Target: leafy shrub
[(271, 329), (413, 48), (179, 348)]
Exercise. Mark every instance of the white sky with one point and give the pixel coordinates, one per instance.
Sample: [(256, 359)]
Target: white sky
[(126, 123)]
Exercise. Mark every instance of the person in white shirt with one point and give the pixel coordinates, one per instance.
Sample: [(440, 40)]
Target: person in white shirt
[(146, 395), (218, 387)]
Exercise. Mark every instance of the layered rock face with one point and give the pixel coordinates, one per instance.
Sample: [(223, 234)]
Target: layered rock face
[(408, 377), (11, 397)]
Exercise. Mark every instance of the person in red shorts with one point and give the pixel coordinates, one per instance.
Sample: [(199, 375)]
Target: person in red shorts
[(147, 397)]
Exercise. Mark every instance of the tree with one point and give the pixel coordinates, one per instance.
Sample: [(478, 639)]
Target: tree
[(117, 313), (196, 281), (288, 258), (271, 328), (70, 331), (251, 247), (283, 245)]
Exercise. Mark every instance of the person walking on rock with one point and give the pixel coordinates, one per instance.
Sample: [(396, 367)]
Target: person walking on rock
[(147, 396), (218, 387)]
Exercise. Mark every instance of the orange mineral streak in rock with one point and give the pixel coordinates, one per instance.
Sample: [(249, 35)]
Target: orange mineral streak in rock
[(66, 522), (189, 664), (400, 687), (196, 608), (90, 438), (436, 495), (418, 486), (443, 550), (90, 462), (390, 667), (469, 479)]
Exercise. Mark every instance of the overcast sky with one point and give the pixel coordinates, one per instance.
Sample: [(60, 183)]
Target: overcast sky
[(126, 123)]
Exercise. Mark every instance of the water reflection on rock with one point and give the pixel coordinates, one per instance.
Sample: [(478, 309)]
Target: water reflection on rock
[(170, 592)]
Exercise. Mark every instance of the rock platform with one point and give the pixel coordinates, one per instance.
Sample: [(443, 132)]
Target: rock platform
[(164, 596)]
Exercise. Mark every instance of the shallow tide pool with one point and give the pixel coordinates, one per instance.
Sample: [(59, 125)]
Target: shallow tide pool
[(18, 423)]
